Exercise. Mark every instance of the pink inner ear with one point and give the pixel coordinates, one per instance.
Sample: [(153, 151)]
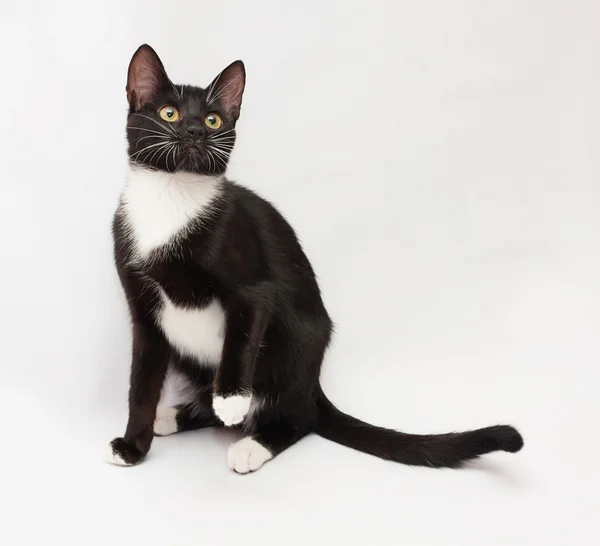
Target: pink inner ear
[(232, 92), (228, 88), (145, 78), (145, 85)]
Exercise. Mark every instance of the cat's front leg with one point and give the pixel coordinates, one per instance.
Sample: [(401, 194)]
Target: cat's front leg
[(150, 358), (245, 327)]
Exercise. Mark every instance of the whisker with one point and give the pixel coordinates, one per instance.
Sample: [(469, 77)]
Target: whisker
[(214, 159), (147, 130), (167, 128), (152, 136), (156, 151), (225, 140), (219, 151), (174, 148), (222, 146), (134, 155), (224, 133), (147, 148), (167, 149), (221, 160)]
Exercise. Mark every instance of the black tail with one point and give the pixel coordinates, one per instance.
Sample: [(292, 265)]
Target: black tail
[(435, 450)]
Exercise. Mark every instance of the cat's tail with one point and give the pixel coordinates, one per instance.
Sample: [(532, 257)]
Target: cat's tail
[(434, 450)]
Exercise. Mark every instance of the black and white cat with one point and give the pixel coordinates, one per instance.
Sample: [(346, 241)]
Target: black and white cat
[(220, 290)]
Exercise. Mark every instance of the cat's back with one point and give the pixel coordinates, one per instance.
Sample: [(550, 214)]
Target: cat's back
[(270, 224), (279, 245)]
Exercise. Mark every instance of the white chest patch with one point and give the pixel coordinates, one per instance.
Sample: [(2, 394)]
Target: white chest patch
[(195, 332), (160, 206)]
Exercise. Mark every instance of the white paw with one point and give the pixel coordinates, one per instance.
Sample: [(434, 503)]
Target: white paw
[(165, 422), (114, 458), (247, 455), (233, 409)]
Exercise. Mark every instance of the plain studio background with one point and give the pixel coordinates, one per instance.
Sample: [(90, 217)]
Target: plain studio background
[(439, 161)]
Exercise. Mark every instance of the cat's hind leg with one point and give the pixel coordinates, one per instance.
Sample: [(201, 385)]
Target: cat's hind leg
[(171, 419), (186, 400), (268, 440)]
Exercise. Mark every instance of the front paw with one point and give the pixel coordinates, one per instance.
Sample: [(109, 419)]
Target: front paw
[(231, 409), (120, 452)]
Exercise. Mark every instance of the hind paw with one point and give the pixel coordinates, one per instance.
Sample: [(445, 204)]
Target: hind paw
[(165, 422)]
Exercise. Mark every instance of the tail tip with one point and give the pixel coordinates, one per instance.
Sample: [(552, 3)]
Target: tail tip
[(509, 439)]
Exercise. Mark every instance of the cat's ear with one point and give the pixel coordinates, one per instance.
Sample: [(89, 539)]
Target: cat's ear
[(228, 88), (146, 77)]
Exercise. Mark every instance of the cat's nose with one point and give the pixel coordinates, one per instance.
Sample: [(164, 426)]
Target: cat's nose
[(195, 131)]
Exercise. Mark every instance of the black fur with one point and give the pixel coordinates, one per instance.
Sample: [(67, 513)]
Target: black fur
[(247, 257)]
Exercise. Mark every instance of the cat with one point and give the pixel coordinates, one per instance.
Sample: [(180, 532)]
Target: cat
[(220, 291)]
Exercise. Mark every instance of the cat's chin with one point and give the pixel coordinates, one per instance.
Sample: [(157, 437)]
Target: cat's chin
[(195, 162), (195, 168)]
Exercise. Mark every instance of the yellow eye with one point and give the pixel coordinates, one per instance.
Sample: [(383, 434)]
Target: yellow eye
[(169, 113), (213, 121)]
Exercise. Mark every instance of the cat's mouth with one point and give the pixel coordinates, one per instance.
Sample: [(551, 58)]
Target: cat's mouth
[(193, 157), (198, 156)]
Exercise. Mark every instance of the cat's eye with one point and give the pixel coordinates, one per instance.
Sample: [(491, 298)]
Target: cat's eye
[(213, 121), (169, 113)]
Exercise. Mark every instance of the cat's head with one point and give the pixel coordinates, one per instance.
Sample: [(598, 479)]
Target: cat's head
[(181, 127)]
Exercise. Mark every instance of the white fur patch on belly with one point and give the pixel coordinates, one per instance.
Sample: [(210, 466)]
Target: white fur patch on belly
[(193, 331)]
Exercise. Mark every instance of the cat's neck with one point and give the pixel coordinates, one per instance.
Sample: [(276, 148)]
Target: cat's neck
[(160, 206), (182, 180)]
